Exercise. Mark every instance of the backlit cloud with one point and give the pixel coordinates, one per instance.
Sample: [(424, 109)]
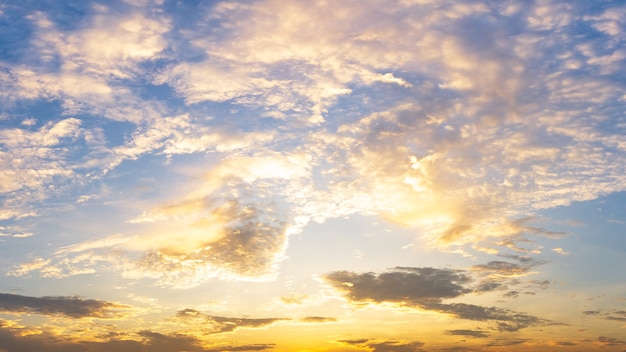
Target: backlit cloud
[(426, 289), (469, 333), (72, 307), (219, 324), (387, 346), (14, 340), (402, 285)]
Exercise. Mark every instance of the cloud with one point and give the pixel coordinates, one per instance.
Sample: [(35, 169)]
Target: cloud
[(396, 346), (615, 315), (72, 307), (294, 299), (610, 341), (354, 342), (233, 225), (219, 324), (12, 340), (402, 285), (316, 319), (477, 136), (387, 346), (505, 320), (560, 251), (426, 288), (507, 342), (501, 268), (469, 333)]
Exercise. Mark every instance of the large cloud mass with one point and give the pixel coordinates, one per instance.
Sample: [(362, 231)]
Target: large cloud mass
[(460, 119)]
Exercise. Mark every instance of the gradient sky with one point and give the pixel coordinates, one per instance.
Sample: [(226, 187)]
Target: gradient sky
[(312, 175)]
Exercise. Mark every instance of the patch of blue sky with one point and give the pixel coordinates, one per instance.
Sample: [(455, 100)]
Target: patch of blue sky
[(594, 249)]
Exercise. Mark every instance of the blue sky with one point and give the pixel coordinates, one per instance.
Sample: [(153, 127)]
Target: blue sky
[(408, 175)]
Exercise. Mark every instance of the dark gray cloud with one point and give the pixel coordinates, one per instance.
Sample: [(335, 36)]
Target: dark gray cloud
[(470, 333), (402, 285), (425, 288), (223, 324), (73, 307)]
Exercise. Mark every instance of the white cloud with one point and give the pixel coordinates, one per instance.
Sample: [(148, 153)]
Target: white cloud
[(560, 251)]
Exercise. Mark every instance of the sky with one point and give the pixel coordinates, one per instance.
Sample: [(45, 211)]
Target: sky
[(312, 175)]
